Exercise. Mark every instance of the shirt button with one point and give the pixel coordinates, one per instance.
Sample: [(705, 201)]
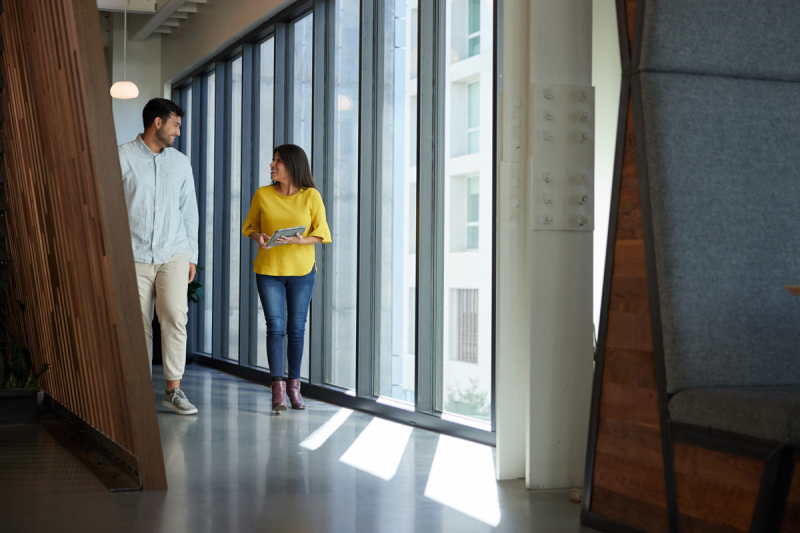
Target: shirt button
[(156, 207), (156, 227)]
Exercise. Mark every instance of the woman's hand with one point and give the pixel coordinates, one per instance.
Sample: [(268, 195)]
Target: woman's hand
[(297, 238), (261, 240)]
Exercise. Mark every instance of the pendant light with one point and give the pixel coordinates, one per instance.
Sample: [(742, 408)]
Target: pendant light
[(125, 89)]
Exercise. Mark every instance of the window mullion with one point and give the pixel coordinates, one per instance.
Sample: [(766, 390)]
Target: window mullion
[(282, 83), (321, 131), (369, 147), (246, 275), (194, 159), (219, 335), (430, 207)]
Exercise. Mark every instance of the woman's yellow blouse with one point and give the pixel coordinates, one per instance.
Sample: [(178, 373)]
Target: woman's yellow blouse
[(269, 211)]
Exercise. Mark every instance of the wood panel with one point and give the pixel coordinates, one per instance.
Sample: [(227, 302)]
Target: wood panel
[(628, 478), (716, 491), (630, 12), (68, 228), (791, 517)]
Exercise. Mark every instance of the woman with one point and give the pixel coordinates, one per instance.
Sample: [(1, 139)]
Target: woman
[(285, 274)]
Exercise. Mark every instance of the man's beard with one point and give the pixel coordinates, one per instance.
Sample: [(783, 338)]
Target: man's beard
[(164, 138)]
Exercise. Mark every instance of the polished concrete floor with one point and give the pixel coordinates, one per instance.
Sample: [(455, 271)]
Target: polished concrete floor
[(237, 467)]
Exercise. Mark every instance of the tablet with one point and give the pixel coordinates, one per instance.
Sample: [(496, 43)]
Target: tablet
[(286, 232)]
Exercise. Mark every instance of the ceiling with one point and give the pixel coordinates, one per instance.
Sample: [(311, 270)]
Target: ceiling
[(164, 17)]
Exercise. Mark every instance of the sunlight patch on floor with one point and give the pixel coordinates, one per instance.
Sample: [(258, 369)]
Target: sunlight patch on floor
[(379, 448), (462, 477), (323, 433)]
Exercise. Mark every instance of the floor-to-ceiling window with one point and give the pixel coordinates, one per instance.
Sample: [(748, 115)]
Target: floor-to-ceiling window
[(234, 201), (206, 195), (466, 288), (397, 216), (399, 132), (343, 214), (302, 80)]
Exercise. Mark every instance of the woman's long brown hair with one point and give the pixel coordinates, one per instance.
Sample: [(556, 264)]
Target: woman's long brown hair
[(296, 163)]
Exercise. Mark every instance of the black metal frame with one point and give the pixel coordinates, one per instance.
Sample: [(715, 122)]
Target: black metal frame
[(116, 467), (430, 154), (653, 297), (779, 459), (605, 305)]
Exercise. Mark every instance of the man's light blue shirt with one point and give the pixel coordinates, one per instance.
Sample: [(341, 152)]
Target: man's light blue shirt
[(162, 207)]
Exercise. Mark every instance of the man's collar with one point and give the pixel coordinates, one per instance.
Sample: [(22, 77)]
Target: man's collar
[(146, 149)]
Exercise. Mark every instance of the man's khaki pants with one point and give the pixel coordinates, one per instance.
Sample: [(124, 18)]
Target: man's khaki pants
[(166, 286)]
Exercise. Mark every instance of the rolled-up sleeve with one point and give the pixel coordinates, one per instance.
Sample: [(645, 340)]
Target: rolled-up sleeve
[(319, 223), (189, 213)]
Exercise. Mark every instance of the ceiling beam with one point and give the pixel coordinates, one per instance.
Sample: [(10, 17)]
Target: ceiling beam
[(145, 7), (158, 19)]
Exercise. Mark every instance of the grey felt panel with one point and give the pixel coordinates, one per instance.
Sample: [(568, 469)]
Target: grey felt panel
[(723, 159), (771, 413), (741, 38)]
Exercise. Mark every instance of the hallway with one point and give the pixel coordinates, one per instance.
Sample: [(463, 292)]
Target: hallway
[(237, 467)]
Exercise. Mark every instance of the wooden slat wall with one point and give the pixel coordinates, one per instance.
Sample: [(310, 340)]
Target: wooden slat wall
[(68, 228)]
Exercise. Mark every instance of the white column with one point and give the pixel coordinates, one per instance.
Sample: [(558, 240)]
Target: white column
[(561, 272), (512, 360), (544, 297)]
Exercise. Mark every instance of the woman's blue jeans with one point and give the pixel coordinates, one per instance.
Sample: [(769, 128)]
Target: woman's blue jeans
[(285, 300)]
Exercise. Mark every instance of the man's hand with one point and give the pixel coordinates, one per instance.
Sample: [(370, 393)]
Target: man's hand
[(192, 271)]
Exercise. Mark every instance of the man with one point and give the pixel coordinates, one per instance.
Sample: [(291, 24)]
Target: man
[(162, 213)]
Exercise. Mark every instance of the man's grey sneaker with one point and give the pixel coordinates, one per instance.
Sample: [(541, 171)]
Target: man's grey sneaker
[(177, 401)]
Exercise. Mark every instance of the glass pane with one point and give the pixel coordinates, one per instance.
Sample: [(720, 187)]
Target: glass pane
[(266, 97), (472, 237), (186, 123), (208, 274), (474, 24), (473, 196), (474, 46), (397, 256), (235, 207), (468, 272), (303, 77), (344, 221), (474, 105), (473, 142), (302, 111)]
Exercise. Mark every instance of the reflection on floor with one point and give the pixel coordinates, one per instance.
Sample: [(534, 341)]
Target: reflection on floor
[(237, 467)]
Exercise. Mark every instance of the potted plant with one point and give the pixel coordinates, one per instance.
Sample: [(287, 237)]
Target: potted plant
[(18, 380), (194, 294)]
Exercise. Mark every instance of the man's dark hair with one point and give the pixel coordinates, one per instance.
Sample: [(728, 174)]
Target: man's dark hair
[(296, 163), (160, 108)]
